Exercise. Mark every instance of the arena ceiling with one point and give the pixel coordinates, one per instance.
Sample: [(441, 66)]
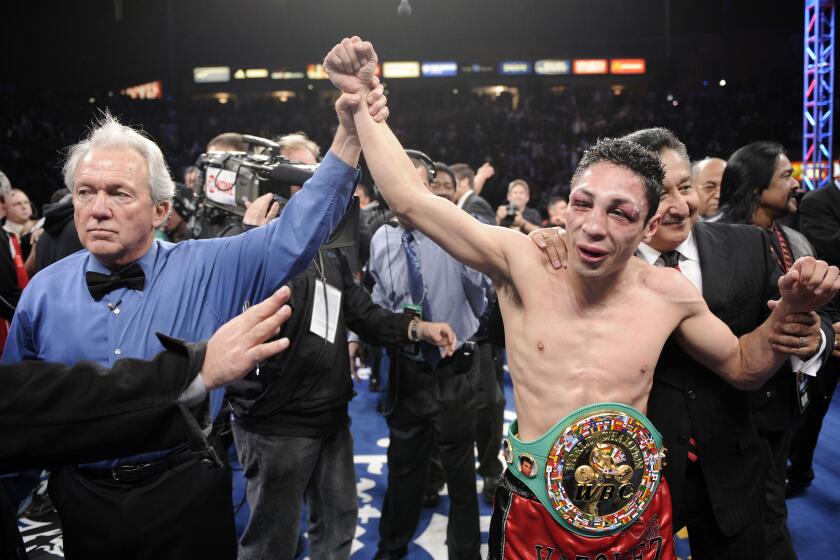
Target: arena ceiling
[(114, 43)]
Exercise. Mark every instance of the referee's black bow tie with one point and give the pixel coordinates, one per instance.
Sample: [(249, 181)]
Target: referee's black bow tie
[(130, 277)]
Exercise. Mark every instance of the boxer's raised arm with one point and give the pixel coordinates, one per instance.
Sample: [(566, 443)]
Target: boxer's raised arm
[(476, 245)]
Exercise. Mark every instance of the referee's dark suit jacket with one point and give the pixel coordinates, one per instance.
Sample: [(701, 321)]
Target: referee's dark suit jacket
[(740, 274)]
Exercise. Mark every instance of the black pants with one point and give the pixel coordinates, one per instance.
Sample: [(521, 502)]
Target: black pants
[(430, 407), (184, 512), (490, 411), (489, 401), (778, 544), (11, 545), (706, 539)]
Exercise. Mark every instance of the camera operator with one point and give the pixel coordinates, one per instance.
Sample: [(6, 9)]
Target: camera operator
[(179, 225), (291, 426), (516, 214), (212, 221)]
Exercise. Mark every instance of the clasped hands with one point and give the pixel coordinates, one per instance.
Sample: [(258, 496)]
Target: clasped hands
[(351, 67)]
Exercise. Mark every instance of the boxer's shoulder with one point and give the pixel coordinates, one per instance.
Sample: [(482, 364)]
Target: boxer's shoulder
[(668, 284)]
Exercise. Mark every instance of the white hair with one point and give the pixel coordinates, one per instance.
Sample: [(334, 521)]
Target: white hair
[(109, 133), (298, 140)]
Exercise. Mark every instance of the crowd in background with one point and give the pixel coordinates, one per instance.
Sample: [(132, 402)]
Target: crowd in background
[(538, 141), (519, 152)]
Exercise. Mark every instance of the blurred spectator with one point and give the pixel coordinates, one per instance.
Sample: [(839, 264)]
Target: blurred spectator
[(443, 185), (5, 189), (707, 174), (467, 198), (59, 238), (19, 220), (557, 210)]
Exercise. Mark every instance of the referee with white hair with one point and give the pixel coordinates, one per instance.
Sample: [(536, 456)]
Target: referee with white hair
[(107, 301)]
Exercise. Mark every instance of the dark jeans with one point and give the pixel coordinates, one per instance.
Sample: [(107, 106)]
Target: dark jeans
[(490, 409), (705, 537), (777, 542), (283, 471), (430, 407), (184, 512)]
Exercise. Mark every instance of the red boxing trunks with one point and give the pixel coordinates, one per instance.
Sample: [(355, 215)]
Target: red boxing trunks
[(590, 488), (522, 529)]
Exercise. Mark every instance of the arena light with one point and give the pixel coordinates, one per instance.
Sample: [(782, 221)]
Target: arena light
[(239, 74), (552, 67), (403, 69), (287, 75), (222, 97), (439, 69), (316, 72), (256, 73), (589, 66), (149, 90), (514, 67), (283, 95), (477, 68), (722, 83), (211, 74), (628, 66)]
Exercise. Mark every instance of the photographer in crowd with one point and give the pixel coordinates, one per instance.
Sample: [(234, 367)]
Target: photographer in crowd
[(516, 214)]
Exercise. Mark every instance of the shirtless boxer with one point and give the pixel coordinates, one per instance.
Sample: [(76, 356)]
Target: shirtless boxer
[(583, 341)]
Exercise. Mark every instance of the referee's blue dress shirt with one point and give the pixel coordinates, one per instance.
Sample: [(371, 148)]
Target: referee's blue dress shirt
[(191, 289)]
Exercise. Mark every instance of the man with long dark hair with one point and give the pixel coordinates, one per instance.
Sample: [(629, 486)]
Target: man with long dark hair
[(758, 188)]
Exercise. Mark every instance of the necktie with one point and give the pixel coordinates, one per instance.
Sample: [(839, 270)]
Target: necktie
[(671, 259), (786, 260), (130, 277), (418, 293)]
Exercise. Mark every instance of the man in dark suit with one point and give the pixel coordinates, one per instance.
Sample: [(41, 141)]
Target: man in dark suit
[(819, 221), (55, 414), (716, 466)]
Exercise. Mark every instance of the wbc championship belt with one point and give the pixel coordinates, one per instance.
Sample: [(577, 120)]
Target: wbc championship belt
[(595, 471)]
